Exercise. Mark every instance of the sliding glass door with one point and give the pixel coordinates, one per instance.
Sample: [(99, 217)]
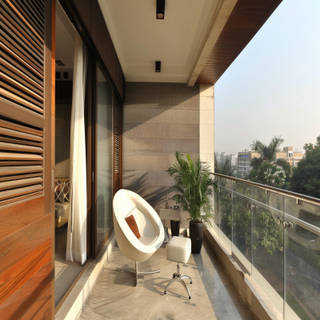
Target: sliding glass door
[(103, 157)]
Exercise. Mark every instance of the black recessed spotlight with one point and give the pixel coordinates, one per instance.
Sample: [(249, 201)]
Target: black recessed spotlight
[(60, 63), (160, 9), (158, 66)]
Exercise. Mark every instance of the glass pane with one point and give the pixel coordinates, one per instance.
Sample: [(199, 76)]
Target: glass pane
[(242, 188), (227, 183), (303, 210), (225, 214), (104, 157), (241, 236), (268, 256), (275, 201), (258, 194), (216, 219), (302, 259)]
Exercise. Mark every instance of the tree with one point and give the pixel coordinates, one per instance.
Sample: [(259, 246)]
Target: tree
[(267, 152), (267, 169), (306, 177), (224, 167)]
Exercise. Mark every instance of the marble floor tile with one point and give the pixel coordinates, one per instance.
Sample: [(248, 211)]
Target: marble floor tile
[(65, 271), (116, 297)]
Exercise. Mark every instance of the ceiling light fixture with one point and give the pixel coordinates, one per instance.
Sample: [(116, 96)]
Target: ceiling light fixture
[(158, 66), (160, 9), (60, 63)]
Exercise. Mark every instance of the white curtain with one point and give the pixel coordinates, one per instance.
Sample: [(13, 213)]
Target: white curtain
[(77, 227)]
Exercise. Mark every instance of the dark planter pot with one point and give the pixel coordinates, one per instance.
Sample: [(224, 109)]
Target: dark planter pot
[(175, 227), (196, 236)]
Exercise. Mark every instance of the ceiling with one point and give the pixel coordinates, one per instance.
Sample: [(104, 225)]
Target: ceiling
[(177, 40), (195, 42)]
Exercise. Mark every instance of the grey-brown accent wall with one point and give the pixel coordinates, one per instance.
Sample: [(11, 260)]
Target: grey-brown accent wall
[(159, 119)]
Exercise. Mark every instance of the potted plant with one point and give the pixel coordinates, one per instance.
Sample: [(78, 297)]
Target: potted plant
[(195, 185)]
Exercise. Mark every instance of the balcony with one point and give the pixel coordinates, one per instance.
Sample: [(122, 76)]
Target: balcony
[(260, 260)]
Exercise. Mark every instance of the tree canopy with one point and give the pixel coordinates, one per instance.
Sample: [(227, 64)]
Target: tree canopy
[(224, 167), (306, 177), (267, 152), (267, 169)]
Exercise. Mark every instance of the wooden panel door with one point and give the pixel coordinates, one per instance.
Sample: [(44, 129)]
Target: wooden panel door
[(26, 268)]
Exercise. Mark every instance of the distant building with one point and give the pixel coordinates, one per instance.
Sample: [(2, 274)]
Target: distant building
[(234, 158), (222, 157), (244, 162), (292, 157)]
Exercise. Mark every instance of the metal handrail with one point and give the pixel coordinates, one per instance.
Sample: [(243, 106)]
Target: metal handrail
[(297, 196), (306, 225)]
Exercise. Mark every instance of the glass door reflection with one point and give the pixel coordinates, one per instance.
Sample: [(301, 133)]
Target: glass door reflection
[(103, 157)]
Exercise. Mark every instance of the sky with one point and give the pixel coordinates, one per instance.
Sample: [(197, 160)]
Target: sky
[(273, 87)]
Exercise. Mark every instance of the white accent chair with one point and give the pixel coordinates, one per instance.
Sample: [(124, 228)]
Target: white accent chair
[(126, 203)]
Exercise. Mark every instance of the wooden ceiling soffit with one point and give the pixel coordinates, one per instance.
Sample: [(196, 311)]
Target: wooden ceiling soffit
[(247, 17)]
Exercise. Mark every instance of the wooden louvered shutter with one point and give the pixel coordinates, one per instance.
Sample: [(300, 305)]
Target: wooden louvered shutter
[(117, 145), (26, 268), (21, 99)]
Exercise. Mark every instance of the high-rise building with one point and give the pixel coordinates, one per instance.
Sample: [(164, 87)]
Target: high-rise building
[(292, 157), (244, 161)]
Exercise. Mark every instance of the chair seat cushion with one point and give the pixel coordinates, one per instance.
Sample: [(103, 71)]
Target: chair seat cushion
[(131, 221), (179, 249)]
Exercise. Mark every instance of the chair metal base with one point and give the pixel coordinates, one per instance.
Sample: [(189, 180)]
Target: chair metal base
[(137, 272), (178, 277)]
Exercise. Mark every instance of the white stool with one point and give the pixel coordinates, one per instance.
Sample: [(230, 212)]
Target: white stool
[(179, 250)]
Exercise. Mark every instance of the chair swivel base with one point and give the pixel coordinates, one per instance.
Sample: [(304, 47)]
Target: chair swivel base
[(179, 278), (137, 272)]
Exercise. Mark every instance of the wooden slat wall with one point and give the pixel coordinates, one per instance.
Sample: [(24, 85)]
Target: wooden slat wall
[(26, 270), (22, 85), (246, 19)]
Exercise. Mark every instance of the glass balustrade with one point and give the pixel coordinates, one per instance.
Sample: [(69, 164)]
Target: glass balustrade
[(275, 237)]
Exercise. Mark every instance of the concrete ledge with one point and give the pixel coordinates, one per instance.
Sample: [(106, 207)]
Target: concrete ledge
[(258, 301), (73, 305)]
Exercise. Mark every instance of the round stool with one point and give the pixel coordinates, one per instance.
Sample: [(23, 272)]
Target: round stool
[(179, 250)]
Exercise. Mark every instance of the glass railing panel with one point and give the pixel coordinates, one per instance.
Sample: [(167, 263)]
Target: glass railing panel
[(302, 221), (267, 255), (284, 235), (303, 210), (275, 201), (242, 188), (258, 194), (241, 235), (216, 218), (225, 215), (226, 183)]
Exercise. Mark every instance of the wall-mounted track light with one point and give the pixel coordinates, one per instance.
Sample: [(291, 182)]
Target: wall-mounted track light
[(160, 9)]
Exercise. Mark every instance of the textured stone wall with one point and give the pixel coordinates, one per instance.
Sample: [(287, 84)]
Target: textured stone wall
[(159, 119)]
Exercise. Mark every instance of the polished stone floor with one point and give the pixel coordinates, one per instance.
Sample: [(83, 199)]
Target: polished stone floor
[(65, 271), (213, 295)]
